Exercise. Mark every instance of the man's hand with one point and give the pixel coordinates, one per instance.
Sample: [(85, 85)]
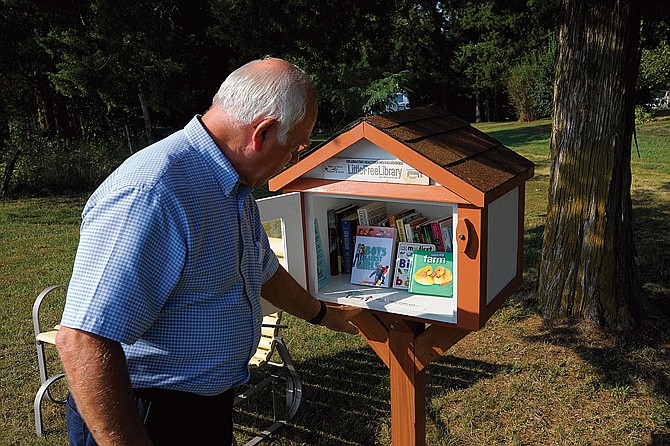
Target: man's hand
[(338, 318)]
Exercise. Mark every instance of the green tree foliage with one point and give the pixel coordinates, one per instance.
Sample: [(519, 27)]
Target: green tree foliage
[(655, 67), (109, 73), (494, 36), (530, 85)]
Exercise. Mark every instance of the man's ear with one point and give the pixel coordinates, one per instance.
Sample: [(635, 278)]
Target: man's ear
[(262, 131)]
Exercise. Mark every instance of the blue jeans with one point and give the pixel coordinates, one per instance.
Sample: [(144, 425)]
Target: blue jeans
[(171, 417)]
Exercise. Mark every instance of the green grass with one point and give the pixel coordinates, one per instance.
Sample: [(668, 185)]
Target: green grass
[(520, 380)]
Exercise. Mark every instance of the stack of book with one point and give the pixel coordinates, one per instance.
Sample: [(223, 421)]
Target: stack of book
[(363, 242), (342, 224), (413, 227)]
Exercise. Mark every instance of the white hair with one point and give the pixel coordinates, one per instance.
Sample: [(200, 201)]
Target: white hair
[(250, 92)]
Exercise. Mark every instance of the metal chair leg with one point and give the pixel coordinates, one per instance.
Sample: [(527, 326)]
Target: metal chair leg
[(37, 406)]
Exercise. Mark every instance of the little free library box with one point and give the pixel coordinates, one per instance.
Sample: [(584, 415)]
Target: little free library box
[(426, 161), (429, 169)]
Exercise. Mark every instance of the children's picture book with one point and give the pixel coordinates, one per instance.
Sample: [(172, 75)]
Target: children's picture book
[(432, 273), (374, 252), (322, 272), (403, 262)]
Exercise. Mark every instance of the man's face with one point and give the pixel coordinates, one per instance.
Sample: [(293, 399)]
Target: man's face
[(276, 155)]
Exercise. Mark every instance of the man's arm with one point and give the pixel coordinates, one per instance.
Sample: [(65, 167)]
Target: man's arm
[(284, 292), (97, 374)]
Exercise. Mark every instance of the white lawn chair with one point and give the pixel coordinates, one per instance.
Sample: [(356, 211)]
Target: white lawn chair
[(42, 339), (283, 374), (283, 371)]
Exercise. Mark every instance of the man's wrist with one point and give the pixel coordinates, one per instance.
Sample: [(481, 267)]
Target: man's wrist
[(319, 317)]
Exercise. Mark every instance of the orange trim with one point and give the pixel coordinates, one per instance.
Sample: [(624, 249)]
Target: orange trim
[(483, 263), (423, 165), (507, 186), (308, 276), (497, 302), (470, 280), (376, 333), (412, 192), (434, 342), (329, 150)]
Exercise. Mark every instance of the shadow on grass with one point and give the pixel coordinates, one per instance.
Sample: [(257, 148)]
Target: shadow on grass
[(516, 137), (346, 397), (651, 228), (623, 359)]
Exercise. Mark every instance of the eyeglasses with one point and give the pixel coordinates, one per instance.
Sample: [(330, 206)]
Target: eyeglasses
[(295, 152)]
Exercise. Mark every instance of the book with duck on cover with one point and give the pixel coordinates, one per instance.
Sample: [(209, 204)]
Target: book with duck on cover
[(432, 273)]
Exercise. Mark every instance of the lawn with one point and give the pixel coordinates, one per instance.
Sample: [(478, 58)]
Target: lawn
[(520, 380)]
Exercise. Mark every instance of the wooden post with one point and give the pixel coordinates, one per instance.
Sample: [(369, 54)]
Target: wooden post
[(408, 386), (407, 347)]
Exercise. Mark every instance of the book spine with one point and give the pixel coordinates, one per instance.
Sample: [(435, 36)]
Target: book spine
[(363, 217), (376, 214), (401, 230), (339, 215), (409, 235), (348, 235), (436, 235), (332, 243), (447, 236)]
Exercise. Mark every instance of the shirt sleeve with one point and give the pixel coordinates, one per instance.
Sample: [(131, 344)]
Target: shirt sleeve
[(129, 258)]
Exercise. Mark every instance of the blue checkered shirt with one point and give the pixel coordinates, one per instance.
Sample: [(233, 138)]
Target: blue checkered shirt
[(171, 260)]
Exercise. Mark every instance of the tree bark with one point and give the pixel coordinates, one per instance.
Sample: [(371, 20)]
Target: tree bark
[(147, 117), (7, 177), (587, 268)]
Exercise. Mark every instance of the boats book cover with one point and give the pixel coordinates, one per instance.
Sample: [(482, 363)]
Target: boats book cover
[(374, 252)]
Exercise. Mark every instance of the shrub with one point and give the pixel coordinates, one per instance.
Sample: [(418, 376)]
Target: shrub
[(49, 164), (530, 85)]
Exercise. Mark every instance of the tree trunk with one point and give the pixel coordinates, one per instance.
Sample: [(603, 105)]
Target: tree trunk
[(147, 117), (587, 268), (478, 113), (7, 177)]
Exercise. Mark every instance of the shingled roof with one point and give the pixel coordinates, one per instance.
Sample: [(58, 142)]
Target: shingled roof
[(455, 145), (449, 147)]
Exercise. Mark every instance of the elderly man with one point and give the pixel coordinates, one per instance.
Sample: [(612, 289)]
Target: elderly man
[(163, 307)]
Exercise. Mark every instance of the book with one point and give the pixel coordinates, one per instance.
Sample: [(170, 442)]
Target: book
[(403, 262), (372, 214), (332, 242), (348, 228), (393, 217), (340, 213), (433, 232), (411, 235), (432, 273), (373, 256), (401, 221), (447, 231), (321, 271)]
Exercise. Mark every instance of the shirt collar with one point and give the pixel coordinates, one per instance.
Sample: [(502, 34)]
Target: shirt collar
[(215, 159)]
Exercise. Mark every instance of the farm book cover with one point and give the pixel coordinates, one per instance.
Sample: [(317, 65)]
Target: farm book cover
[(432, 273), (403, 262), (374, 251)]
